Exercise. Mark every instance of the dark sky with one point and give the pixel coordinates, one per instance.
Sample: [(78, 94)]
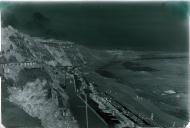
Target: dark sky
[(139, 26)]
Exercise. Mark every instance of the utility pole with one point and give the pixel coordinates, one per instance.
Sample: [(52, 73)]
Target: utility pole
[(152, 116), (173, 124), (65, 77), (86, 111)]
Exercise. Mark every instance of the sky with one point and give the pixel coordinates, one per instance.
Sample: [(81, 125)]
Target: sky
[(157, 26)]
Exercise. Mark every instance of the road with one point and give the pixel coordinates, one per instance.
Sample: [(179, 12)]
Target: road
[(77, 106)]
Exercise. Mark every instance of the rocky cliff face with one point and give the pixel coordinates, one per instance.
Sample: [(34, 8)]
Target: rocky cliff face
[(24, 48), (35, 88), (32, 98)]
